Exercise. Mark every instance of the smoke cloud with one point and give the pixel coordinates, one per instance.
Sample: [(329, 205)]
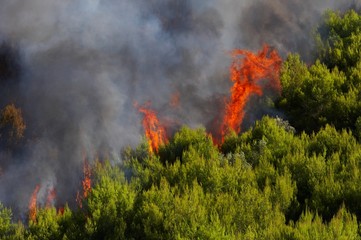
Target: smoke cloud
[(76, 67)]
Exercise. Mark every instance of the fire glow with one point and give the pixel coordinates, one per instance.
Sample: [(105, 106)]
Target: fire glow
[(86, 184), (250, 73), (154, 130), (33, 204), (51, 193), (246, 71)]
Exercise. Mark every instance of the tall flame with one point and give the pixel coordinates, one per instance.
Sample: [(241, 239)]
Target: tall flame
[(33, 204), (154, 131), (86, 183), (247, 69)]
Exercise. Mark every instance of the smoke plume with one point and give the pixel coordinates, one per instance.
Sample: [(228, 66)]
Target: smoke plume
[(75, 68)]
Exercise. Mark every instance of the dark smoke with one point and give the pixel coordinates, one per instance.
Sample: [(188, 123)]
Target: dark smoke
[(286, 25), (75, 67)]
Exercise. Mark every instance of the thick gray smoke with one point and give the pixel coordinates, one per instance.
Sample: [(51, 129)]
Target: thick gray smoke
[(75, 68)]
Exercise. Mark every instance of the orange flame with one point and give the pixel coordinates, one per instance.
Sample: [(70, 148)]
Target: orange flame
[(86, 184), (33, 204), (246, 73), (61, 211), (154, 131), (87, 180), (51, 197)]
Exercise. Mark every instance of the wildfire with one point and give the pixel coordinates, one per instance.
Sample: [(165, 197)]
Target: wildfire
[(86, 184), (51, 197), (250, 73), (154, 131), (61, 211), (247, 69), (33, 204)]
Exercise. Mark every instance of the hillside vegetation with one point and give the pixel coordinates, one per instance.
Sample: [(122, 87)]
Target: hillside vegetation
[(296, 179)]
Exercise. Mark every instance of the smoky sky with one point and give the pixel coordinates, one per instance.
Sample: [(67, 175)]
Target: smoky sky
[(76, 67)]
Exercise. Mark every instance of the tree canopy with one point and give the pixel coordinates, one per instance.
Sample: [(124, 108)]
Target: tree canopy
[(328, 91), (295, 179)]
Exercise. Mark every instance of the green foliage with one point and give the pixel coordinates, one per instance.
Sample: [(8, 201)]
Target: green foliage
[(183, 140), (342, 226), (339, 39), (109, 204), (328, 91), (265, 177), (315, 93), (6, 227), (46, 225), (320, 170), (269, 182)]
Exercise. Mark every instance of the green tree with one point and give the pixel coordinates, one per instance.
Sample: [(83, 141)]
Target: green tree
[(339, 40), (6, 226), (328, 91), (109, 205)]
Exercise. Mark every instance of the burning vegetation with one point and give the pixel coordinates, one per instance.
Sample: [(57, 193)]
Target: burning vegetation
[(33, 204), (86, 183), (221, 181), (249, 72), (154, 130)]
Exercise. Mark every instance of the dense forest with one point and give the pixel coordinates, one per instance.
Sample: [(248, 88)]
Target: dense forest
[(280, 179)]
